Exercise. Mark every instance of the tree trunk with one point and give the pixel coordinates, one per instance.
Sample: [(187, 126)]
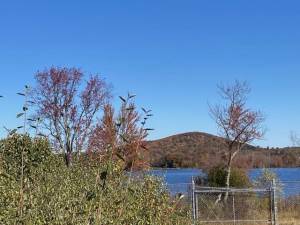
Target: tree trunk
[(228, 175), (227, 180), (68, 154), (68, 158)]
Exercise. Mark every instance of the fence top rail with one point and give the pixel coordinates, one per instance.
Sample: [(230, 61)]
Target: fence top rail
[(236, 221), (177, 184), (217, 189), (289, 181)]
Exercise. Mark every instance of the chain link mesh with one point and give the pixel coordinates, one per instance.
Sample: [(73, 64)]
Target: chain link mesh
[(217, 206), (234, 206), (288, 203)]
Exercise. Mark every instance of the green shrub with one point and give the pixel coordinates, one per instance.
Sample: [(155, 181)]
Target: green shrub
[(57, 195), (36, 153), (217, 177)]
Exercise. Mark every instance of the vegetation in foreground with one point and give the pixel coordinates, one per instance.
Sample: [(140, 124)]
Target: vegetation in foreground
[(52, 193), (46, 179)]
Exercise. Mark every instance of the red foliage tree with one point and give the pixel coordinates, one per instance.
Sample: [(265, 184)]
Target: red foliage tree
[(238, 124), (122, 136), (67, 108)]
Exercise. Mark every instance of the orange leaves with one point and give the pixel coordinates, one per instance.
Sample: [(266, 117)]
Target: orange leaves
[(236, 122), (122, 135)]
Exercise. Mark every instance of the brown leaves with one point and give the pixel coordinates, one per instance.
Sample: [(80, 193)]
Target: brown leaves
[(236, 122), (122, 135)]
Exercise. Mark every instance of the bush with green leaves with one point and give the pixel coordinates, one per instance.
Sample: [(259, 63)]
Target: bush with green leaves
[(83, 194), (36, 152), (217, 177)]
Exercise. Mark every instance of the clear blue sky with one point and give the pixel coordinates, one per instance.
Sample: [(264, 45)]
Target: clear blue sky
[(170, 53)]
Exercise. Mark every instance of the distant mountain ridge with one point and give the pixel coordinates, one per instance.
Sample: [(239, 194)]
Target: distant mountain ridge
[(203, 150)]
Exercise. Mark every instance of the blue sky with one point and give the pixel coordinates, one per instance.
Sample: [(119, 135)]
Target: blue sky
[(170, 53)]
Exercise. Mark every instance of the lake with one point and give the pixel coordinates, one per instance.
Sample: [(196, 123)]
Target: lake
[(178, 180)]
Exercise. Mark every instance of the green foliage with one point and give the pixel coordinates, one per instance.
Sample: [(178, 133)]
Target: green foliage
[(36, 152), (54, 194), (238, 178)]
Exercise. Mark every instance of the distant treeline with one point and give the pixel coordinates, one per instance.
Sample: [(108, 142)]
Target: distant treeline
[(203, 150)]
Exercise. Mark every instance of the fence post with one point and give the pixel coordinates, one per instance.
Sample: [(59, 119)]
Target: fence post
[(193, 200), (271, 203), (197, 206), (233, 208), (274, 203)]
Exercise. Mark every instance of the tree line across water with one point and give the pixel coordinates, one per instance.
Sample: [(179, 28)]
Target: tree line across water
[(202, 150)]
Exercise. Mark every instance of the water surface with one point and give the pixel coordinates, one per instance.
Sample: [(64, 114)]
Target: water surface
[(179, 180)]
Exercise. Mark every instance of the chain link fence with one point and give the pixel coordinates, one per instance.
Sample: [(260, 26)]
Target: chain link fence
[(278, 204), (233, 206), (288, 203)]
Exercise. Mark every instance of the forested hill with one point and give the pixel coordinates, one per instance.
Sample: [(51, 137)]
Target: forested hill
[(202, 150)]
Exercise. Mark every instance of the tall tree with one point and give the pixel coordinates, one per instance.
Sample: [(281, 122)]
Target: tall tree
[(121, 135), (295, 139), (237, 123), (68, 109)]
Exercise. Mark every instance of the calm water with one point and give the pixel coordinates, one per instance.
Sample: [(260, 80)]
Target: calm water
[(178, 180)]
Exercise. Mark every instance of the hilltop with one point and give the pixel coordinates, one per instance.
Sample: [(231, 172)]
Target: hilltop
[(202, 150)]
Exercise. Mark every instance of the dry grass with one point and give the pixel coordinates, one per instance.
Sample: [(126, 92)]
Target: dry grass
[(290, 217)]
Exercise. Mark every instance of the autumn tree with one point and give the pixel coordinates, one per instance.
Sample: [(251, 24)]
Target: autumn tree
[(295, 139), (237, 123), (121, 135), (68, 107)]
